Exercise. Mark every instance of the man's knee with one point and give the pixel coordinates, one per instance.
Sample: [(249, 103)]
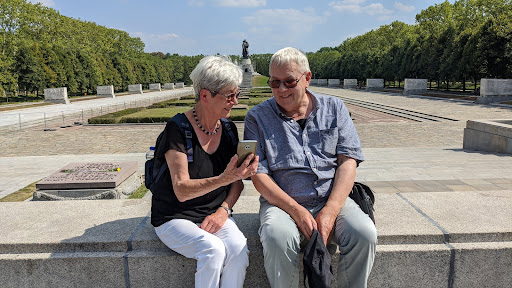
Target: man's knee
[(279, 237)]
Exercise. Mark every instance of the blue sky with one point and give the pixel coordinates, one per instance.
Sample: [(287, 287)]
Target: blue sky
[(193, 27)]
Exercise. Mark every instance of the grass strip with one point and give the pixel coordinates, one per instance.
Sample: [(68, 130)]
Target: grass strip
[(139, 193), (21, 195)]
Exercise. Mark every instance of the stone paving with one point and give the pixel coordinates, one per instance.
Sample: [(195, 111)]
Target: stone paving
[(396, 150)]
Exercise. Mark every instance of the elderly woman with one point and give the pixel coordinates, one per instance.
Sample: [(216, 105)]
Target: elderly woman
[(192, 204)]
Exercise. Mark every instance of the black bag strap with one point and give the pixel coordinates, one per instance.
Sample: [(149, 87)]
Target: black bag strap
[(182, 121)]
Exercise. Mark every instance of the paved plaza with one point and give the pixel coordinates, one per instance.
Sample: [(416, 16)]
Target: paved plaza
[(439, 208), (401, 155)]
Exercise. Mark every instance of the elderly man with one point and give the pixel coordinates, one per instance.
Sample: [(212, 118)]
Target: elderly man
[(309, 151)]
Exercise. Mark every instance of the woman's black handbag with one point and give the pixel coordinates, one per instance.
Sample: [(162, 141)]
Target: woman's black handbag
[(363, 196)]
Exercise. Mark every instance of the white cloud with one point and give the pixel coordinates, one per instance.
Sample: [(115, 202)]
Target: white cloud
[(376, 9), (241, 3), (404, 8), (47, 3), (356, 7), (228, 3)]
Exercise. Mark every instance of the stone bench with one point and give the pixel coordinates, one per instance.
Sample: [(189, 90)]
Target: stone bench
[(111, 243)]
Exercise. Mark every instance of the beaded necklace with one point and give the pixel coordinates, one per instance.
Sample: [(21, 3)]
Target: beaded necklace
[(201, 127)]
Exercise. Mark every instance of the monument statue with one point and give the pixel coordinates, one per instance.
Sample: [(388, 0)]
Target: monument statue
[(245, 50)]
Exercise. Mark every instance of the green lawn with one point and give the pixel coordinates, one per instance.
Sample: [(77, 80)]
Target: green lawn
[(161, 112), (259, 81)]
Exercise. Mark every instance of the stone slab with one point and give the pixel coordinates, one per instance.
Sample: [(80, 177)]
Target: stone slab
[(155, 87), (179, 85), (411, 266), (349, 83), (88, 175), (105, 91), (169, 86), (333, 82), (398, 222), (374, 84), (123, 190), (313, 82), (83, 269), (69, 226), (493, 268), (495, 87), (322, 82), (56, 95), (488, 135), (412, 86), (135, 88), (469, 216)]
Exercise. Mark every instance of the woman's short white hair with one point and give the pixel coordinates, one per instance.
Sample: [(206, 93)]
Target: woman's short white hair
[(214, 73), (290, 54)]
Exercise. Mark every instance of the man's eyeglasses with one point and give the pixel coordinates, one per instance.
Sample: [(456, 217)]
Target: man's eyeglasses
[(287, 83), (229, 97)]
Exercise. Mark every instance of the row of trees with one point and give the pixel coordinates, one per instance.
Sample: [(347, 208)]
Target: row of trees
[(39, 48), (466, 40)]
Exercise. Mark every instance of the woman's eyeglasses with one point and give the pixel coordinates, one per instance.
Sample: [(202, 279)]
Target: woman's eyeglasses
[(229, 97), (287, 83)]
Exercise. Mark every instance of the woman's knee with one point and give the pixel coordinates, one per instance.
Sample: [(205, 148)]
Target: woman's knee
[(213, 253)]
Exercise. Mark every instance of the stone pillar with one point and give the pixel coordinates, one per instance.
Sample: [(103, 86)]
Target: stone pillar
[(349, 83), (169, 86), (248, 71), (322, 82), (333, 82), (180, 85), (495, 90), (374, 84), (413, 86), (135, 88), (56, 95), (105, 91), (155, 86)]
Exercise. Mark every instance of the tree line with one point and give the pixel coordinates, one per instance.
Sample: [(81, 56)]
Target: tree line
[(39, 48), (459, 42), (464, 41)]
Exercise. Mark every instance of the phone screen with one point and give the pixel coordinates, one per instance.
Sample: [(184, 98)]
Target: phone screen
[(245, 147)]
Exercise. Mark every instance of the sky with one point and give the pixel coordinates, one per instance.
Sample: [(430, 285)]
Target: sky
[(194, 27)]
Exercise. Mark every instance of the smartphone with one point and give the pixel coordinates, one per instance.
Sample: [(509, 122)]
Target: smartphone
[(245, 147)]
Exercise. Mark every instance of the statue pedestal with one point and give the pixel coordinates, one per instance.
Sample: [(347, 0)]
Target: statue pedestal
[(248, 71)]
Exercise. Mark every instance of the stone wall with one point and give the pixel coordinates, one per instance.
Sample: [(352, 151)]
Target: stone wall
[(374, 84), (56, 95), (155, 87), (488, 135), (495, 90), (333, 82), (135, 88), (105, 91), (322, 82), (412, 86), (169, 86), (349, 83)]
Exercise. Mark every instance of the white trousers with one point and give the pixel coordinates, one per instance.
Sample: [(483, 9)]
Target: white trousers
[(222, 257)]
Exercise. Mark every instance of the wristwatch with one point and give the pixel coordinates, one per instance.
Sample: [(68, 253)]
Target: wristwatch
[(230, 211)]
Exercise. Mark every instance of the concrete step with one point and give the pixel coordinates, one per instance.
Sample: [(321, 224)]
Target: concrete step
[(425, 240)]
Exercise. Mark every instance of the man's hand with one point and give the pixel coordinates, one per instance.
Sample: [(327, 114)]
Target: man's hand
[(304, 220), (326, 219), (212, 223)]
